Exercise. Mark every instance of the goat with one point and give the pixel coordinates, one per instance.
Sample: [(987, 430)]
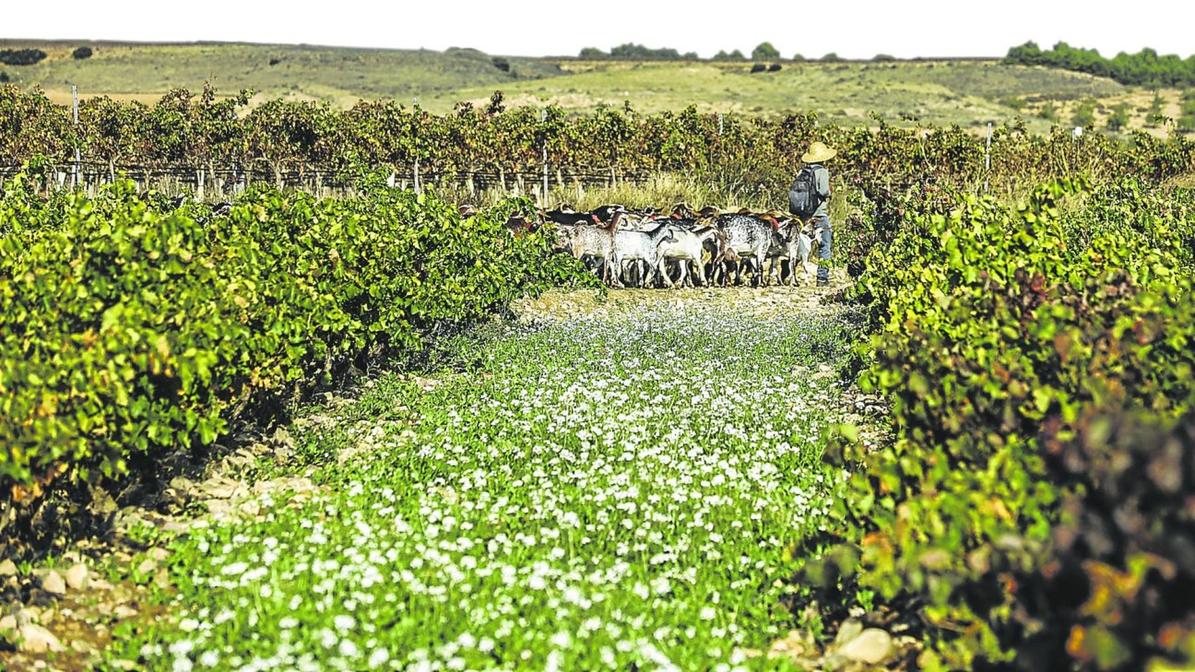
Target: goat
[(683, 211), (606, 212), (685, 248), (794, 245), (519, 226), (596, 241), (641, 246), (750, 237), (571, 218)]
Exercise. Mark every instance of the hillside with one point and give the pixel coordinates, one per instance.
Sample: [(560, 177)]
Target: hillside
[(943, 92), (337, 74), (967, 92)]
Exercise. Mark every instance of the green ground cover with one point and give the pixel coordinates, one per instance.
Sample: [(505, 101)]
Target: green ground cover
[(602, 490)]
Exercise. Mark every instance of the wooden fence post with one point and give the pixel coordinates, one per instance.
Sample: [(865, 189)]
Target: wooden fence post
[(987, 160), (75, 117)]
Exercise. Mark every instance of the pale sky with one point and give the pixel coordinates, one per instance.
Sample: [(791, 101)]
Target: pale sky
[(851, 28)]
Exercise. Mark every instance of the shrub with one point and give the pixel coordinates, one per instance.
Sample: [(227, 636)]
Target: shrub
[(1186, 119), (1119, 587), (128, 332), (1119, 119), (1084, 114), (1155, 116), (21, 56), (999, 330), (81, 53), (503, 64)]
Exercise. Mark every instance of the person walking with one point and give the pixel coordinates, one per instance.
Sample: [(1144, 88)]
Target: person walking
[(809, 199)]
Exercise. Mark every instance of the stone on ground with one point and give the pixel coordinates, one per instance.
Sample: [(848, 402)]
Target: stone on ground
[(53, 583), (873, 646), (76, 576), (36, 639)]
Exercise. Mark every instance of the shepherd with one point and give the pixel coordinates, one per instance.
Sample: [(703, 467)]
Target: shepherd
[(809, 199)]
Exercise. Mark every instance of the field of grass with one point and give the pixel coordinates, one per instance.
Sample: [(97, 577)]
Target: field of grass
[(941, 92), (965, 92)]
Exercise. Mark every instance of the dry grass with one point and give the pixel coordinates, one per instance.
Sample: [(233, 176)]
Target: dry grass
[(661, 191)]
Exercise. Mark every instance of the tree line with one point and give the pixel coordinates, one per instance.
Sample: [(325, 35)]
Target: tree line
[(764, 51), (1144, 68)]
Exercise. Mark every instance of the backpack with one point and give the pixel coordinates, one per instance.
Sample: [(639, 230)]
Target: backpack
[(803, 198)]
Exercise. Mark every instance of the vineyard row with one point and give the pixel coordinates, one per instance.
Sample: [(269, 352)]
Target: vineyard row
[(283, 141)]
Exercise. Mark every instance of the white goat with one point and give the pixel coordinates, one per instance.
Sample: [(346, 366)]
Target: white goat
[(685, 248), (640, 246)]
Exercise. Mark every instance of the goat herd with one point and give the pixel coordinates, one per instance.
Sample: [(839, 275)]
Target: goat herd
[(680, 248)]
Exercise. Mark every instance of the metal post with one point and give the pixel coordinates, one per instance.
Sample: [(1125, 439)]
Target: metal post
[(75, 117)]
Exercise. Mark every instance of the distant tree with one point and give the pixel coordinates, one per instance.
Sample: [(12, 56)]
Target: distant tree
[(1026, 54), (831, 58), (765, 52), (1144, 68), (638, 52), (883, 57), (593, 54), (81, 53), (735, 55), (3, 77), (21, 56), (798, 58), (691, 56), (1119, 119), (501, 63)]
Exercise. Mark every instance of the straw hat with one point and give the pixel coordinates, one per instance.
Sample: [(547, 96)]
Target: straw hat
[(817, 153)]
